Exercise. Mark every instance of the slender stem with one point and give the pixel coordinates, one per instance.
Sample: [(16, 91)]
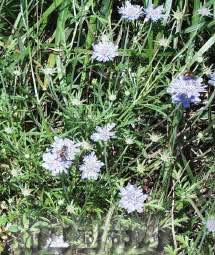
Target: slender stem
[(176, 121), (105, 155), (117, 25), (196, 210), (106, 228), (172, 217), (33, 78), (202, 240), (123, 56), (210, 115), (64, 178)]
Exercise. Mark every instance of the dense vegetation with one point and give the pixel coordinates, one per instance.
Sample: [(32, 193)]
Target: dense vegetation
[(52, 87)]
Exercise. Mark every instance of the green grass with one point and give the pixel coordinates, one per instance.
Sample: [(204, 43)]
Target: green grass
[(170, 153)]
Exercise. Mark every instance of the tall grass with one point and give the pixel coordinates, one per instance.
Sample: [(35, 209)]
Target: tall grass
[(165, 149)]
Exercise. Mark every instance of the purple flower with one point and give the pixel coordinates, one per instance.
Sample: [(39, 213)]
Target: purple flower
[(204, 11), (186, 90), (132, 198), (210, 224), (104, 51), (65, 149), (154, 13), (59, 157), (131, 12), (53, 164), (104, 133), (91, 167)]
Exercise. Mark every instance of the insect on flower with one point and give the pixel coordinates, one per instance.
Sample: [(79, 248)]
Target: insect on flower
[(189, 75), (186, 89), (59, 157), (63, 152)]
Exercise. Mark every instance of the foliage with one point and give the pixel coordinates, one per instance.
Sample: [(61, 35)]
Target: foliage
[(51, 86)]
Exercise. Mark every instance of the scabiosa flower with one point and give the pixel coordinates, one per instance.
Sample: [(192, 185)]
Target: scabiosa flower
[(204, 11), (186, 90), (65, 149), (132, 198), (53, 164), (91, 167), (131, 12), (210, 224), (154, 13), (59, 157), (104, 51), (211, 80), (104, 133)]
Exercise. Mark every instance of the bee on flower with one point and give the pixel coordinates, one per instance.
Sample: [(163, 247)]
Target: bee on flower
[(186, 89), (60, 156)]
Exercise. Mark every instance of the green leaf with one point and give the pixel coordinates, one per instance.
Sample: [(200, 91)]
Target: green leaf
[(25, 222), (40, 224), (158, 109), (194, 27), (14, 228), (28, 243), (202, 50), (3, 220), (35, 230)]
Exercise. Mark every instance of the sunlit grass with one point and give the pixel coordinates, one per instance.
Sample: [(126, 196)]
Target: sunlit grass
[(51, 86)]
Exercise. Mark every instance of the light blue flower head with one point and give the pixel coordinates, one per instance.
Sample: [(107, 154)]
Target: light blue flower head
[(186, 90)]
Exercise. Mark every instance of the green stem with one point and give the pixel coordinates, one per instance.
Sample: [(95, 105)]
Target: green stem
[(88, 44), (106, 229), (123, 57), (176, 121), (105, 155), (210, 116), (202, 240), (196, 209)]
